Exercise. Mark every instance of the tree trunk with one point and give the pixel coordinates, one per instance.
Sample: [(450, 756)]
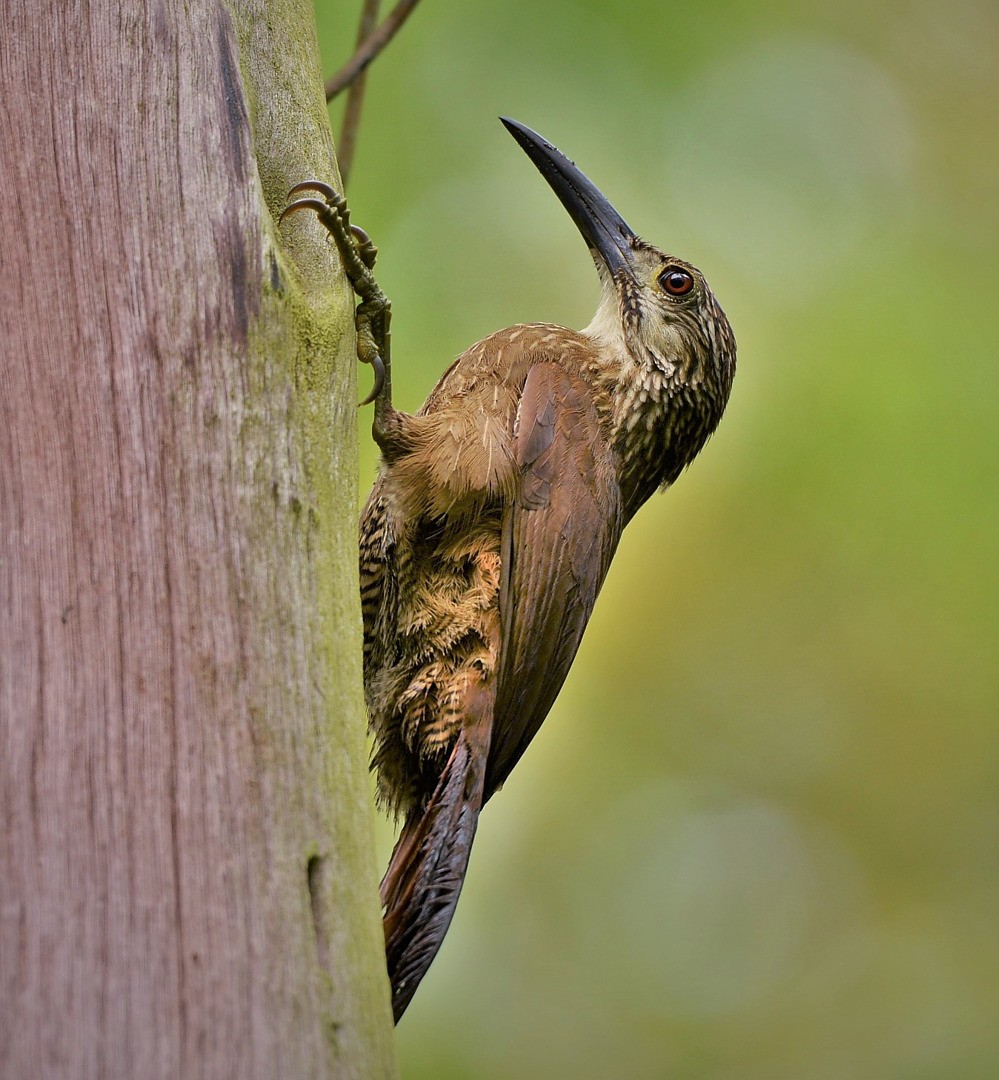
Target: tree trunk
[(187, 884)]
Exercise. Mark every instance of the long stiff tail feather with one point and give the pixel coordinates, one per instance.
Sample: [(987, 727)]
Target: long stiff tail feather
[(424, 877)]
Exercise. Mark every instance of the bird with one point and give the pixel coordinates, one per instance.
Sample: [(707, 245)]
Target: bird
[(493, 521)]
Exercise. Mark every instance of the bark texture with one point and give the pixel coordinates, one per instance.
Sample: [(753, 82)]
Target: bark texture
[(187, 885)]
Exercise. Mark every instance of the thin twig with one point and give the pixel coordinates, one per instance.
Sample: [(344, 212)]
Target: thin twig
[(370, 49), (355, 96)]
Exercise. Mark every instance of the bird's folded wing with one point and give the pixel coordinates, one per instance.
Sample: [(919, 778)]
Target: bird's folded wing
[(559, 535)]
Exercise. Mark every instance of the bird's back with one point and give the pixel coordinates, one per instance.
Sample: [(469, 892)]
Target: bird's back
[(451, 529)]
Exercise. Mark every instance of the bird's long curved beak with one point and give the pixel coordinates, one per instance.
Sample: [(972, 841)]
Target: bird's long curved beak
[(603, 228)]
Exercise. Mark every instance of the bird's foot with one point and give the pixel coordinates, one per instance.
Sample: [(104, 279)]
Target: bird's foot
[(357, 253)]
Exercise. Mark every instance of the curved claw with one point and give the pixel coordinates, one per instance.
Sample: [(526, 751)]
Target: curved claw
[(304, 204), (329, 193), (379, 365), (366, 250)]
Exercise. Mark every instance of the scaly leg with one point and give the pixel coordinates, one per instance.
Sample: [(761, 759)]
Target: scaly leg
[(373, 313)]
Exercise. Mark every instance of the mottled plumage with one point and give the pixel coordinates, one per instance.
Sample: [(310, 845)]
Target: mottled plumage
[(490, 529), (513, 417)]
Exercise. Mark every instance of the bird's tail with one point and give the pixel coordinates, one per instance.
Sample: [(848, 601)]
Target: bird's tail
[(424, 877)]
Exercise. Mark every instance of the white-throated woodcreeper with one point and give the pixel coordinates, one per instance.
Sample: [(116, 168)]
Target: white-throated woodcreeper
[(491, 526)]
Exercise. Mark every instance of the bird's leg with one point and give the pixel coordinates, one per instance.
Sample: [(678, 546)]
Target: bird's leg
[(373, 314)]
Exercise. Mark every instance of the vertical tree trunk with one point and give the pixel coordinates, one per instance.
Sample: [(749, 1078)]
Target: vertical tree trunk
[(187, 886)]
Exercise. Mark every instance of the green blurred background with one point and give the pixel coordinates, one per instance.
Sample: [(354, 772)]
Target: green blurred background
[(757, 835)]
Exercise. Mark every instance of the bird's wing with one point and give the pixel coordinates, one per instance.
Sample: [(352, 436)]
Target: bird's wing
[(559, 535)]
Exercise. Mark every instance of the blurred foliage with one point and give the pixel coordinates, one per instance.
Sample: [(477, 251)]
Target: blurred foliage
[(757, 836)]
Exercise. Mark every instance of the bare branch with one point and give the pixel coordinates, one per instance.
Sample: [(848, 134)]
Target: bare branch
[(339, 82), (355, 97)]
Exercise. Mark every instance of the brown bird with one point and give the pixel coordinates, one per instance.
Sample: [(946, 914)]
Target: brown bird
[(491, 526)]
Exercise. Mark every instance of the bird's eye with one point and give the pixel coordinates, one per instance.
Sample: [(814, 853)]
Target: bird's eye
[(675, 281)]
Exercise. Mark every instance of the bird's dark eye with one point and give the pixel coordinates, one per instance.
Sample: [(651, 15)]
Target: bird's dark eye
[(675, 281)]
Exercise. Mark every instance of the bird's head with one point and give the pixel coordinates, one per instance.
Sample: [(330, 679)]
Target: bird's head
[(656, 307)]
